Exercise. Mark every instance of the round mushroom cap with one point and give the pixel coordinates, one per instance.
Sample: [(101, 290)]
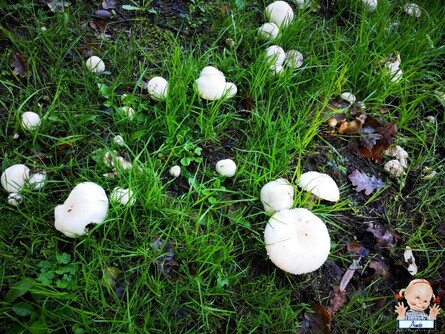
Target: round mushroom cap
[(294, 59), (413, 10), (275, 55), (372, 5), (320, 185), (226, 167), (13, 179), (86, 204), (37, 180), (123, 196), (230, 90), (277, 195), (30, 120), (175, 171), (15, 199), (95, 64), (211, 87), (280, 13), (347, 96), (157, 88), (128, 111), (269, 31), (297, 241), (210, 70)]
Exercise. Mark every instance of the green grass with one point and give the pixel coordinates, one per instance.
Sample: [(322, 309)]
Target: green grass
[(222, 280)]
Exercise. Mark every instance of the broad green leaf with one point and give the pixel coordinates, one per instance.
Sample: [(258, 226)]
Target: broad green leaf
[(23, 309), (129, 7), (18, 289)]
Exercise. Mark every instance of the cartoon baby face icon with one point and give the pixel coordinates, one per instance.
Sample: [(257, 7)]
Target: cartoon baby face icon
[(419, 295)]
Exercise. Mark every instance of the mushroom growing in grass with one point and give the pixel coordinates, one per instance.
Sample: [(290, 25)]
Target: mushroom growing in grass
[(277, 195), (371, 5), (275, 55), (347, 96), (30, 120), (15, 199), (297, 241), (211, 85), (269, 31), (157, 88), (95, 64), (37, 180), (280, 13), (294, 59), (413, 10), (226, 167), (123, 196), (14, 178), (320, 185), (86, 204), (175, 171)]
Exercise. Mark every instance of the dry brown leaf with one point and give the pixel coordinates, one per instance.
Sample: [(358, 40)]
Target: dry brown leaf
[(338, 299), (383, 236), (19, 64), (316, 323)]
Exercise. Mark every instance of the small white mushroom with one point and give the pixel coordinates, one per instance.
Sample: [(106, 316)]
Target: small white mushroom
[(37, 180), (402, 156), (13, 179), (226, 167), (394, 167), (128, 111), (277, 195), (86, 204), (211, 85), (157, 88), (118, 140), (95, 64), (275, 55), (294, 59), (428, 173), (347, 96), (15, 199), (431, 119), (371, 5), (297, 241), (123, 196), (175, 171), (230, 90), (269, 31), (280, 13), (413, 10), (30, 120), (320, 185)]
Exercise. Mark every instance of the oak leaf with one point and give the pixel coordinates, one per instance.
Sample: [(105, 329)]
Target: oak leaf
[(361, 182)]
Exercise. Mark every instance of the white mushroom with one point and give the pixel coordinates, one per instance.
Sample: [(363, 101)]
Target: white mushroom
[(280, 13), (297, 241), (123, 196), (211, 85), (409, 258), (118, 140), (371, 4), (30, 120), (394, 167), (347, 96), (13, 179), (277, 195), (86, 204), (128, 111), (413, 10), (37, 180), (269, 31), (226, 167), (402, 156), (157, 88), (175, 171), (15, 199), (95, 64), (320, 185), (275, 55), (293, 59)]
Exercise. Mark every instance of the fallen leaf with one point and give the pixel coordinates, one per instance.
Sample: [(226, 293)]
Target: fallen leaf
[(348, 275), (165, 262), (361, 182), (374, 143), (98, 25), (108, 4), (384, 237), (316, 323), (338, 299), (19, 64), (57, 6), (357, 249)]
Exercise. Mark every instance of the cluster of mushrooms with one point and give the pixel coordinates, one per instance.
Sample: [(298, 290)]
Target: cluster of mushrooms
[(297, 241)]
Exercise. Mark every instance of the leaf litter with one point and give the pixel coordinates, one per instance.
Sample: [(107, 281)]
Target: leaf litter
[(361, 182)]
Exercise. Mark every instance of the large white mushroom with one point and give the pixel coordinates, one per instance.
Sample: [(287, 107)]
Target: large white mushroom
[(320, 185), (30, 120), (269, 31), (297, 241), (280, 13), (14, 178), (157, 88), (211, 85), (86, 204), (277, 195)]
